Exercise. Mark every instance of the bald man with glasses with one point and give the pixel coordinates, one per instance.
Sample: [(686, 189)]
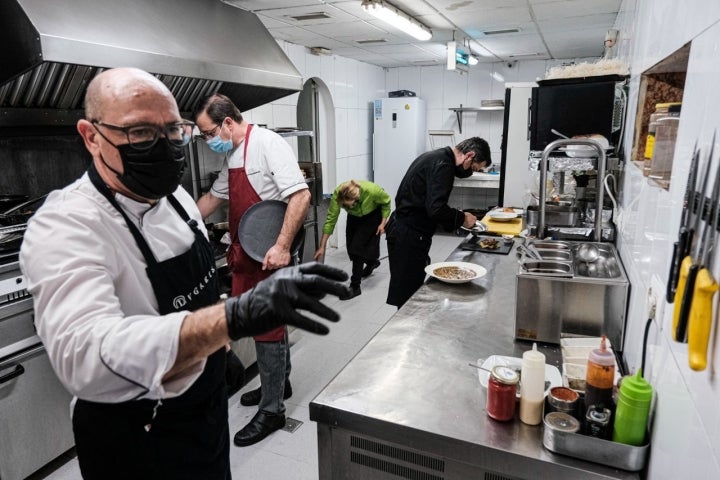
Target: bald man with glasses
[(126, 298)]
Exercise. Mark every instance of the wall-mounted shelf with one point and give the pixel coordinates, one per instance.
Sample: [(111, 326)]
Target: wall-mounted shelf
[(485, 108)]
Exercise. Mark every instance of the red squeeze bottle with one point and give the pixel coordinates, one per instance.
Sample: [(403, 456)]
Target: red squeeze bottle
[(600, 377)]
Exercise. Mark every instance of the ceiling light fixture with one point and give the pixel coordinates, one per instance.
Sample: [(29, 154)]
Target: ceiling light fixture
[(479, 49), (397, 18)]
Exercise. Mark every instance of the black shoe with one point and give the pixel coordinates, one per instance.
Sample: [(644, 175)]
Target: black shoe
[(354, 292), (369, 268), (261, 425), (252, 397)]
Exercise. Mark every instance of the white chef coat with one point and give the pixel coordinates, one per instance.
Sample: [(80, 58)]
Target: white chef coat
[(95, 309), (272, 168)]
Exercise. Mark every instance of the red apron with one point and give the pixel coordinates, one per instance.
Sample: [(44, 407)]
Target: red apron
[(246, 272)]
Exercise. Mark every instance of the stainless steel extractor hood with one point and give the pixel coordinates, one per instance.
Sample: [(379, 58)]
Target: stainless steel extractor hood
[(51, 51)]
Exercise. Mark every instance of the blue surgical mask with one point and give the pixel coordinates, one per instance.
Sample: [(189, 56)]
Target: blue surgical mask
[(218, 145)]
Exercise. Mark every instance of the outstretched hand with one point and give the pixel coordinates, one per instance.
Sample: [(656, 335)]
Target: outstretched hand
[(276, 300)]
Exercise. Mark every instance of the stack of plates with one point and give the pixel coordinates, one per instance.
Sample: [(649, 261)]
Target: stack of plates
[(575, 353), (492, 103)]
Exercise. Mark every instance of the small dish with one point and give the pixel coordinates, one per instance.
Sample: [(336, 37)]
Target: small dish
[(477, 270), (499, 216), (507, 238), (552, 374)]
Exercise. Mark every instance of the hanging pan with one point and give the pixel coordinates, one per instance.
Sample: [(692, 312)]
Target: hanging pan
[(260, 227)]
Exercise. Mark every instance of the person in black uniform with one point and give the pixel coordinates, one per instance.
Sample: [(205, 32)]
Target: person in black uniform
[(421, 204)]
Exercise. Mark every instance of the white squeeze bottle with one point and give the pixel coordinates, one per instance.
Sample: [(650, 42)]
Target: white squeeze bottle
[(532, 386)]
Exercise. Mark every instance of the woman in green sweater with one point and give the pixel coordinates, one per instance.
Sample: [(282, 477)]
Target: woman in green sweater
[(368, 208)]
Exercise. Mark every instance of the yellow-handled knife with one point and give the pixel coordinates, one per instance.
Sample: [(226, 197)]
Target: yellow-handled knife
[(701, 320)]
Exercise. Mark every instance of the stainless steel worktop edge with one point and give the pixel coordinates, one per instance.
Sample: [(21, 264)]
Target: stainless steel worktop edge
[(411, 384)]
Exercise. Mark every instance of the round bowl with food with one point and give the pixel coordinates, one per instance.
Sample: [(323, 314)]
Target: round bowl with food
[(455, 272)]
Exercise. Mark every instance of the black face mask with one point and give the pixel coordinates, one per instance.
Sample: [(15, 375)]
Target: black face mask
[(153, 173), (460, 172)]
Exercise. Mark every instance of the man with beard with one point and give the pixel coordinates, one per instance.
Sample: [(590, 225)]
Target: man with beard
[(421, 204)]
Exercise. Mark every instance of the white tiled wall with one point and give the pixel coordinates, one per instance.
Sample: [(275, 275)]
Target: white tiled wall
[(686, 429)]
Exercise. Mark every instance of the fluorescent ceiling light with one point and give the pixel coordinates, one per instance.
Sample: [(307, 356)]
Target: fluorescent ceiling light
[(397, 18), (479, 49)]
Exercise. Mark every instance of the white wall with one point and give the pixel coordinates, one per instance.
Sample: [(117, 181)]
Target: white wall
[(686, 430)]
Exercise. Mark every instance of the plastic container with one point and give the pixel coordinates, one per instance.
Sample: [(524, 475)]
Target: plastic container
[(501, 393), (600, 377), (666, 130), (532, 386), (633, 410)]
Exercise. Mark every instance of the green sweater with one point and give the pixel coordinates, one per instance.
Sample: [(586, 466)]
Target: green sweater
[(372, 196)]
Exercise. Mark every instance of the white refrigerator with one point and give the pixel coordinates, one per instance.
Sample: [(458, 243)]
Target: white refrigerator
[(399, 137), (517, 180)]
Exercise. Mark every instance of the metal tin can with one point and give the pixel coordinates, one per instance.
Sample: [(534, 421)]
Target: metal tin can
[(563, 399), (597, 422), (562, 422), (501, 393)]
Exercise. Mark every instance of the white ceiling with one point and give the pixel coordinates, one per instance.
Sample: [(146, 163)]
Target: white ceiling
[(548, 29)]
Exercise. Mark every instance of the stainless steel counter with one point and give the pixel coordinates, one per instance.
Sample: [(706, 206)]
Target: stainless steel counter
[(409, 404)]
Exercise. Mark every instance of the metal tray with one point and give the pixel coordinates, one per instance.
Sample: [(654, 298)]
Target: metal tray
[(605, 452), (473, 244)]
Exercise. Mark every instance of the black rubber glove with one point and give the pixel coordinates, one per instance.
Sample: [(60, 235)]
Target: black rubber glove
[(274, 301)]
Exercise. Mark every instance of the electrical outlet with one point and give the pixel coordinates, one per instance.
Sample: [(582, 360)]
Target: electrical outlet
[(657, 291)]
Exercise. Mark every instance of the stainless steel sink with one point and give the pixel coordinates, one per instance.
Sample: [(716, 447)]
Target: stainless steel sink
[(556, 297)]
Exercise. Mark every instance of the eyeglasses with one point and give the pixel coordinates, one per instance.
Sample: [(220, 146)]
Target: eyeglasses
[(207, 135), (145, 136)]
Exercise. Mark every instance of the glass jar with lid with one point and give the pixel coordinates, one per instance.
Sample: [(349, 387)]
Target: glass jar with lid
[(501, 393), (661, 111)]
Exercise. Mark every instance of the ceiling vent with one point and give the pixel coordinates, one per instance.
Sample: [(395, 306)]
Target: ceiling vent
[(310, 16), (371, 41), (503, 31)]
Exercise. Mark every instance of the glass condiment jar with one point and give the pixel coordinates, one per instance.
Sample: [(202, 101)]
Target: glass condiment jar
[(661, 110), (501, 393)]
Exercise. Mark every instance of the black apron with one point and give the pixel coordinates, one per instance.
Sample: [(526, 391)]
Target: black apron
[(363, 243), (185, 437)]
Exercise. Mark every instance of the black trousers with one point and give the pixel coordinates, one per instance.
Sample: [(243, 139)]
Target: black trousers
[(363, 243), (408, 251)]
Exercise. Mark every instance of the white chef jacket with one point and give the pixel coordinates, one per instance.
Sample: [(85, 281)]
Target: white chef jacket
[(95, 309), (272, 168)]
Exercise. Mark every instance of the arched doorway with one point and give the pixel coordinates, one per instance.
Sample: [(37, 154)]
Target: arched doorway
[(316, 113)]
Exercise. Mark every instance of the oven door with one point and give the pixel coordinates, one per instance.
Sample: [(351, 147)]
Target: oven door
[(34, 408)]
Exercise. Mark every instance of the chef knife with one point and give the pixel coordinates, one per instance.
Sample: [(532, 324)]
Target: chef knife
[(688, 274), (700, 322), (682, 246)]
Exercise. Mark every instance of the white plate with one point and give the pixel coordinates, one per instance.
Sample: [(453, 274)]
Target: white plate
[(479, 271), (502, 216), (552, 374)]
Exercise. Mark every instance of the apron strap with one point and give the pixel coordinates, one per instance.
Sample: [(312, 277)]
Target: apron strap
[(100, 185)]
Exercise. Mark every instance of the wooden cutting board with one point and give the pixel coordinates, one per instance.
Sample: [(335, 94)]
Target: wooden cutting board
[(513, 227)]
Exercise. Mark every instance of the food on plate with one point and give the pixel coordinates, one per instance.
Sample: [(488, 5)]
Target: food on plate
[(489, 243), (454, 273), (508, 210)]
